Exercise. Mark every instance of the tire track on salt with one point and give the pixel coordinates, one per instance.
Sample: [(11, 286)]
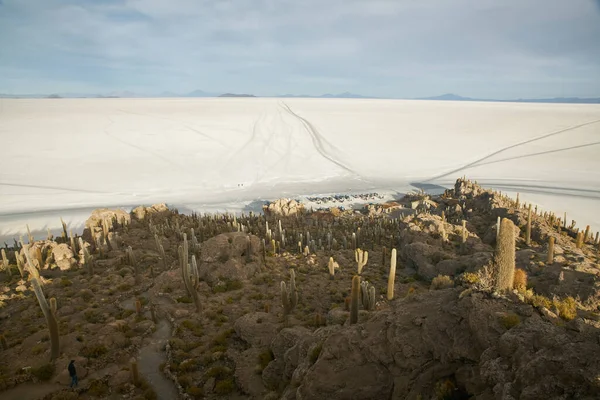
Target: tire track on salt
[(502, 150), (318, 140)]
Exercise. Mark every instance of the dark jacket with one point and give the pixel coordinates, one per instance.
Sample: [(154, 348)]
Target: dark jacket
[(72, 371)]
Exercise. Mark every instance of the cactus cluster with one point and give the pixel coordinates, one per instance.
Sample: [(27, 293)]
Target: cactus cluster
[(289, 295)]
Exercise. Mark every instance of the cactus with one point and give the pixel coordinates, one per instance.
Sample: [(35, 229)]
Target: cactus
[(50, 314), (497, 228), (354, 241), (550, 259), (354, 294), (138, 307), (579, 240), (361, 258), (586, 235), (31, 266), (504, 257), (332, 265), (464, 232), (443, 233), (5, 264), (131, 260), (74, 248), (306, 251), (64, 232), (29, 235), (88, 261), (189, 272), (289, 296), (135, 375), (153, 313), (528, 233), (517, 201), (367, 295), (392, 276), (20, 264), (161, 251)]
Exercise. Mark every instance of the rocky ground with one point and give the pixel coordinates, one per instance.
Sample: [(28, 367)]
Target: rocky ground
[(233, 331)]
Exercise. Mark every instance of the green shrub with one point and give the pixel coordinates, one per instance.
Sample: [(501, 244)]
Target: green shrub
[(86, 294), (225, 386), (196, 392), (510, 320), (315, 353), (265, 358), (98, 388), (94, 350), (441, 282), (93, 316), (43, 372), (64, 282), (226, 285), (219, 372)]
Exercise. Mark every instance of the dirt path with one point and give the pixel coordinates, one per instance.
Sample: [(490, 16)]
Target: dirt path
[(30, 391), (149, 360)]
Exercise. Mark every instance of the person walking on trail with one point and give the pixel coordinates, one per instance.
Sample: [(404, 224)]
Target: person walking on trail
[(73, 373)]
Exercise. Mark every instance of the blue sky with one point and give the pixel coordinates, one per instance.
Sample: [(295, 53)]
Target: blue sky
[(390, 48)]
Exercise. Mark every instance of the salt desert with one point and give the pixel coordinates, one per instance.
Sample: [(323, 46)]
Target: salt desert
[(64, 157)]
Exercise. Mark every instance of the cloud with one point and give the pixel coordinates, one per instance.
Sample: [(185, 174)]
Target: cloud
[(380, 47)]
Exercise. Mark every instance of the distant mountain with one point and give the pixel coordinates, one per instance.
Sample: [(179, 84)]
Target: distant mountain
[(198, 93), (448, 97), (345, 95), (236, 95), (572, 100)]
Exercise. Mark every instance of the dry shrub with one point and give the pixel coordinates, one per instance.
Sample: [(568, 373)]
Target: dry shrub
[(441, 282), (485, 281), (510, 320), (520, 280), (567, 308), (470, 278)]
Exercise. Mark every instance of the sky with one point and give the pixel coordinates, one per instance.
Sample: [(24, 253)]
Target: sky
[(383, 48)]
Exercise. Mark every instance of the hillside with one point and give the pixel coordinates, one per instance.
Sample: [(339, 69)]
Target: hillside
[(254, 307)]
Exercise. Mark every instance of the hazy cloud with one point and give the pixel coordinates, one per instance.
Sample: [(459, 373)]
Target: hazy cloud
[(484, 48)]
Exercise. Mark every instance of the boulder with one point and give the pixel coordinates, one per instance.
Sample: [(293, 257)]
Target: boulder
[(64, 257), (284, 207), (257, 329)]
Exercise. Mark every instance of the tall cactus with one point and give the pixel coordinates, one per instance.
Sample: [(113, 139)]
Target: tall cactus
[(161, 251), (31, 266), (131, 260), (354, 299), (361, 258), (50, 314), (550, 258), (392, 276), (332, 265), (88, 261), (528, 233), (504, 258), (5, 264), (64, 232), (289, 296), (191, 278)]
